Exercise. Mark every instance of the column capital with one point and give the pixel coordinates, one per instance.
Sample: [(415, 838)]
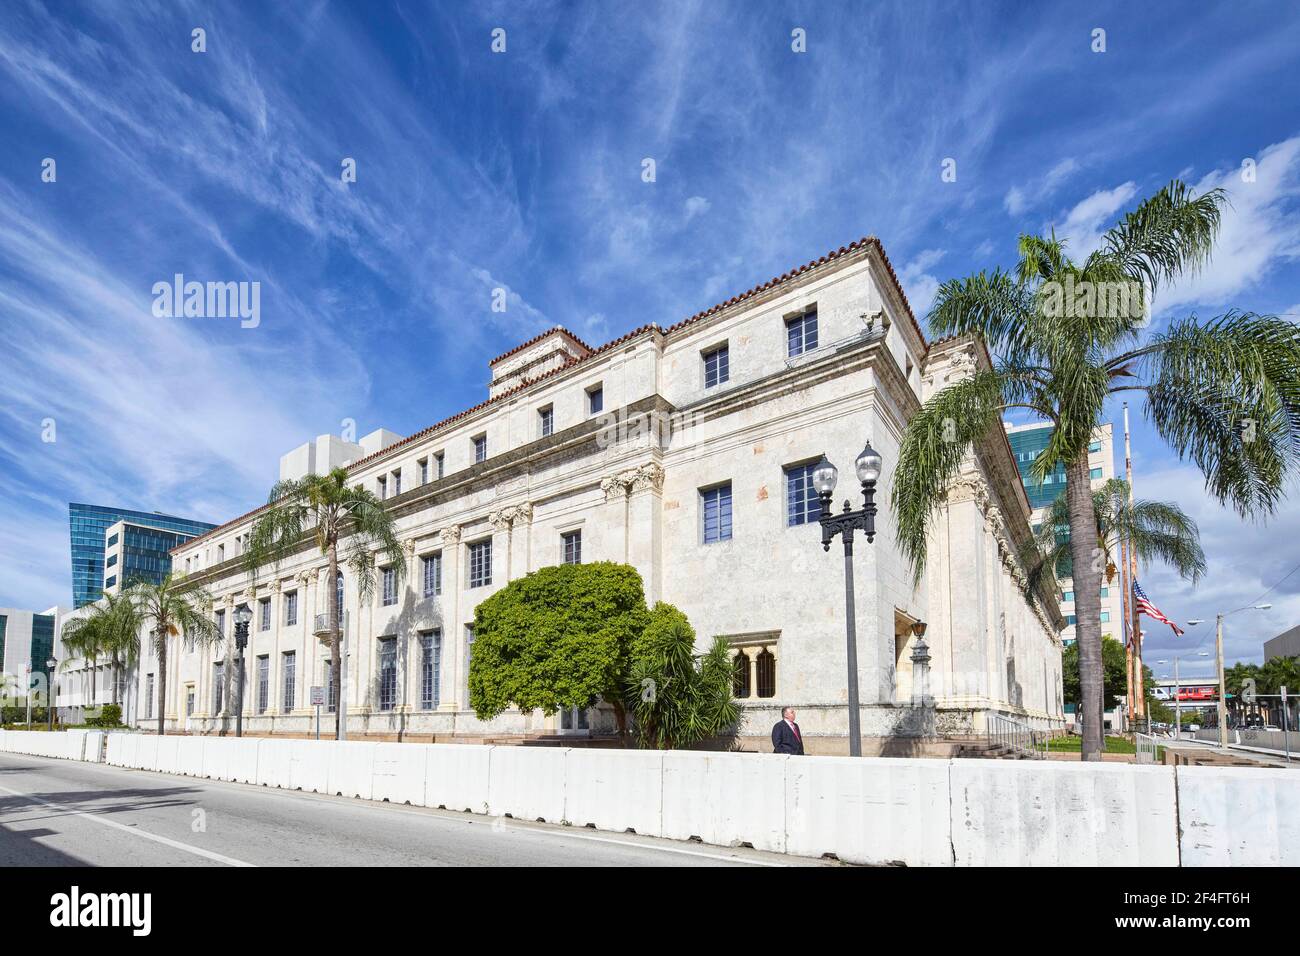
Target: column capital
[(450, 534)]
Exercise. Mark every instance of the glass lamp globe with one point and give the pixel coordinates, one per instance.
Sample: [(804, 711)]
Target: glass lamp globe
[(868, 464), (242, 614), (824, 477)]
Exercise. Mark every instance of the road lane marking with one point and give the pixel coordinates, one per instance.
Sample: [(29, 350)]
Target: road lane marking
[(645, 846), (134, 831)]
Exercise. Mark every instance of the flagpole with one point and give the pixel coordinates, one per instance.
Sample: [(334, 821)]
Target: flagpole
[(1139, 693)]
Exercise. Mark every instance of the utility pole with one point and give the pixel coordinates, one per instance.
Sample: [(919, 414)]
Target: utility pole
[(1222, 709)]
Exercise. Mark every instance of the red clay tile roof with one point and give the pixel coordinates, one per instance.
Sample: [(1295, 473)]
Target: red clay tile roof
[(864, 242), (537, 338)]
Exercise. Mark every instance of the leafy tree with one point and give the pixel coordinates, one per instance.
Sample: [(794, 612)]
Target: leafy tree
[(558, 637), (1115, 682), (171, 610), (1224, 392), (677, 699), (326, 510)]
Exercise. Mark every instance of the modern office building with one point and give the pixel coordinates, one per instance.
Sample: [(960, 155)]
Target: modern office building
[(27, 642), (105, 555), (686, 452), (1027, 442), (1286, 644)]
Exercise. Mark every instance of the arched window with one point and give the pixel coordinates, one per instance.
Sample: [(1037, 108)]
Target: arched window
[(740, 677), (338, 592), (765, 664)]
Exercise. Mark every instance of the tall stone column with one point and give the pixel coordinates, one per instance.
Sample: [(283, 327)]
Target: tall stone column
[(452, 642), (614, 518), (644, 520)]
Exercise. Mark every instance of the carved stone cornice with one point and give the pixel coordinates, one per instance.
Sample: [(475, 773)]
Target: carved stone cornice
[(450, 534)]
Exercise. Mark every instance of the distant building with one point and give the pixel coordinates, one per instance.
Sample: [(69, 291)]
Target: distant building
[(26, 644), (1286, 644), (1027, 442), (110, 546)]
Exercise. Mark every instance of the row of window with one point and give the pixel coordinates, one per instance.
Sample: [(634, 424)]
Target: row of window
[(430, 679), (1073, 619), (802, 504)]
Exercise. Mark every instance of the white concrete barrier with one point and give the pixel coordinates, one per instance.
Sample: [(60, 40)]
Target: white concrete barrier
[(616, 790), (273, 762), (168, 757), (726, 799), (399, 772), (351, 768), (94, 748), (309, 765), (1045, 813), (527, 783), (456, 776), (189, 756), (869, 810), (1239, 816)]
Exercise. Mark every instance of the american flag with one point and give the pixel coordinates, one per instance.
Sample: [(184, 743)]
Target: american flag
[(1144, 606)]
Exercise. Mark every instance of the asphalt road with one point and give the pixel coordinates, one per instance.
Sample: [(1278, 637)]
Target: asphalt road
[(65, 813)]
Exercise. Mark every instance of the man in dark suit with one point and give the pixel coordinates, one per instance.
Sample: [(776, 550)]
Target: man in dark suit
[(786, 736)]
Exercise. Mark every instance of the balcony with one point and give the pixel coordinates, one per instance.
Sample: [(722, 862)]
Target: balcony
[(322, 625)]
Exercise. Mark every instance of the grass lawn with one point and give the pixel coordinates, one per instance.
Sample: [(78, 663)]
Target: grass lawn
[(1069, 743)]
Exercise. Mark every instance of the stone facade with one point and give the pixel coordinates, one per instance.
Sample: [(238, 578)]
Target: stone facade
[(630, 481)]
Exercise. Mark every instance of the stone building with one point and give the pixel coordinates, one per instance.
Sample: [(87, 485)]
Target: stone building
[(685, 451)]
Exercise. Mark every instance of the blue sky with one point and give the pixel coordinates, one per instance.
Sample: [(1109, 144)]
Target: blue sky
[(522, 171)]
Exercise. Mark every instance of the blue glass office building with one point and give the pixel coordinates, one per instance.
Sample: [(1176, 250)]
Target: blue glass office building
[(144, 553), (1026, 446)]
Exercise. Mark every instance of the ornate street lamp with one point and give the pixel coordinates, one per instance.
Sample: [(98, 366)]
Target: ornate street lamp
[(825, 475), (242, 615), (51, 664)]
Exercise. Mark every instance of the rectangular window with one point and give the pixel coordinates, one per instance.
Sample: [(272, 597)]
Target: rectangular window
[(263, 683), (387, 673), (1094, 446), (382, 484), (189, 700), (802, 506), (389, 576), (218, 685), (288, 699), (801, 334), (432, 567), (480, 563), (1105, 592), (112, 560), (264, 612), (572, 547), (716, 367), (595, 400), (291, 608), (430, 669), (397, 483), (438, 460), (480, 449), (546, 418), (112, 579), (112, 540), (1071, 619), (1105, 617), (1094, 473), (148, 696), (221, 623), (1068, 596), (424, 471), (716, 509)]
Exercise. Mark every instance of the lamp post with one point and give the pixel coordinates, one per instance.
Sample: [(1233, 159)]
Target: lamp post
[(242, 614), (1178, 688), (867, 466), (1218, 653), (51, 664)]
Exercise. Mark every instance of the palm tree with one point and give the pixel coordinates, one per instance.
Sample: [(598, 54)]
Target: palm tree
[(172, 609), (112, 628), (328, 511), (1154, 530), (1065, 337)]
